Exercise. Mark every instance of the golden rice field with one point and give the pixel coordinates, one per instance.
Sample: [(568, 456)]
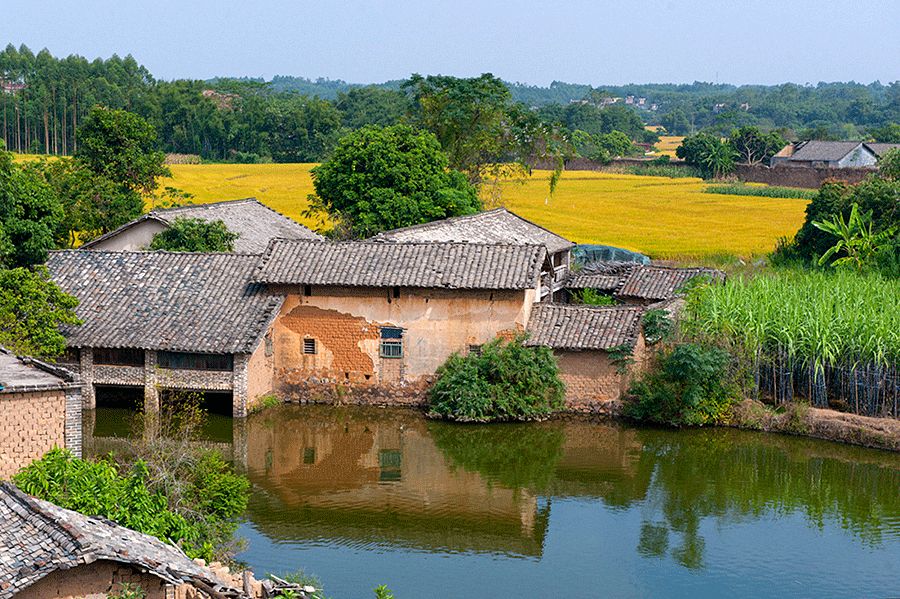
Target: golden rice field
[(662, 217), (667, 144)]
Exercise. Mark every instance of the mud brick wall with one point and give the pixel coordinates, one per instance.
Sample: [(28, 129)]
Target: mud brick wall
[(31, 424), (94, 580), (787, 176)]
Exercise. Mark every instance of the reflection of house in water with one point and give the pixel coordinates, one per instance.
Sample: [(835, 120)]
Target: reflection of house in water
[(368, 476)]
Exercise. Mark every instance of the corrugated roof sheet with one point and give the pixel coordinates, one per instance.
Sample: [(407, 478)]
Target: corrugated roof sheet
[(38, 538), (580, 327), (379, 264), (491, 226), (255, 223), (164, 301)]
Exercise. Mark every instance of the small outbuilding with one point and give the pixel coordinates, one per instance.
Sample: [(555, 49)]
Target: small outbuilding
[(40, 408)]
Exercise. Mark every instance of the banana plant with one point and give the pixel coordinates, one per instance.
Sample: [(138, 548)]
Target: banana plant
[(856, 238)]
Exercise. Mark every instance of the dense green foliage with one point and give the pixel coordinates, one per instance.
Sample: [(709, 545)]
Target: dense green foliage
[(32, 307), (688, 385), (709, 154), (291, 118), (878, 195), (857, 243), (602, 147), (31, 215), (381, 178), (194, 235), (127, 496), (505, 381), (765, 191), (592, 297)]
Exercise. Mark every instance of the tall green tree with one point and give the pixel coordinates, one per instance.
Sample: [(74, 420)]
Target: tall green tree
[(31, 216), (479, 126), (381, 178), (32, 307), (752, 146)]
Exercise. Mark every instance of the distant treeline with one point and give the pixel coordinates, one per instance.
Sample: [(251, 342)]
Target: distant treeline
[(44, 99)]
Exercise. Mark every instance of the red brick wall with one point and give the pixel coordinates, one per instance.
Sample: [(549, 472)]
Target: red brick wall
[(31, 424)]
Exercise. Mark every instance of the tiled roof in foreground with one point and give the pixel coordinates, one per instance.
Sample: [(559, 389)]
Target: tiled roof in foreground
[(255, 223), (192, 302), (491, 226), (581, 327), (38, 538), (427, 265)]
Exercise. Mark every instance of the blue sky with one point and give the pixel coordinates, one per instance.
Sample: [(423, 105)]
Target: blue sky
[(746, 41)]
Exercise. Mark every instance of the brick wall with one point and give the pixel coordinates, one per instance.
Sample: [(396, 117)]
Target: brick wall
[(31, 424), (799, 176)]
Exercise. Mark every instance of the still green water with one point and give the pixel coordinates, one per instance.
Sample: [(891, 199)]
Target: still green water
[(571, 509)]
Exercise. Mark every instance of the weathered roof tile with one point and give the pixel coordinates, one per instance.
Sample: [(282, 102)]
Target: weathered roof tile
[(376, 264), (580, 327), (191, 302)]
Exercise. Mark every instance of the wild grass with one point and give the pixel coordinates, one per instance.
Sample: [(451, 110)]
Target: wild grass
[(661, 217), (663, 170), (764, 191)]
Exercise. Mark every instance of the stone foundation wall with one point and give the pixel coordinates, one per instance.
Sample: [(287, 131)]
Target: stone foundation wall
[(32, 423), (332, 391)]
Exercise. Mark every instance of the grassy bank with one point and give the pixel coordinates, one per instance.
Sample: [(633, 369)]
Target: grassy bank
[(662, 217), (763, 191)]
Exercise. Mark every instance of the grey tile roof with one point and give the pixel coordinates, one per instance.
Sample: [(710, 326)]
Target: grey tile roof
[(580, 327), (607, 276), (164, 301), (816, 150), (881, 148), (660, 282), (18, 374), (378, 264), (255, 223), (491, 226), (38, 538)]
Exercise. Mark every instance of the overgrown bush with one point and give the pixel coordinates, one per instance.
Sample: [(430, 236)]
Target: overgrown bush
[(167, 487), (505, 381), (689, 385), (195, 235), (592, 297)]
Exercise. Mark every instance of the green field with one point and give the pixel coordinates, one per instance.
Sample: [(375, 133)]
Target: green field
[(662, 217)]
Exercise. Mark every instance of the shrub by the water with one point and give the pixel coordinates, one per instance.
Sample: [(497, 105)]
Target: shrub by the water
[(505, 381), (689, 385)]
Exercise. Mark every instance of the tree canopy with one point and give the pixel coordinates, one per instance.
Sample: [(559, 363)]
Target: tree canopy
[(195, 235), (31, 215), (32, 307), (381, 178)]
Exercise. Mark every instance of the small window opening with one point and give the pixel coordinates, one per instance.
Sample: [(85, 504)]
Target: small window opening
[(307, 290), (309, 455), (309, 346), (396, 292), (475, 350), (391, 342)]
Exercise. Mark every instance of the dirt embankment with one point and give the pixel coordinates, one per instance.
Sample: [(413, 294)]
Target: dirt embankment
[(800, 419)]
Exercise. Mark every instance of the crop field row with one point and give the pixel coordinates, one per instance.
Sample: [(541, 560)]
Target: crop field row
[(662, 217)]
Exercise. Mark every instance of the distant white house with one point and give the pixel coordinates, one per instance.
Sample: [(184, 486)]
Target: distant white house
[(830, 154)]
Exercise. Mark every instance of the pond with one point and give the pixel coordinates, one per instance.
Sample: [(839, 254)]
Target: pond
[(361, 497)]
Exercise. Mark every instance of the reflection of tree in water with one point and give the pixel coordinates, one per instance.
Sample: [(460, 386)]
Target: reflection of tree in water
[(732, 477), (518, 456)]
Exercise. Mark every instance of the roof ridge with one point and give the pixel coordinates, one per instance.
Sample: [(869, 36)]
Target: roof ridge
[(204, 205), (156, 252), (373, 242)]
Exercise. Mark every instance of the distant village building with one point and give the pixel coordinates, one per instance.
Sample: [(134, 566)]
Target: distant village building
[(40, 407), (493, 226), (157, 321), (53, 553), (11, 87), (255, 224), (830, 154)]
